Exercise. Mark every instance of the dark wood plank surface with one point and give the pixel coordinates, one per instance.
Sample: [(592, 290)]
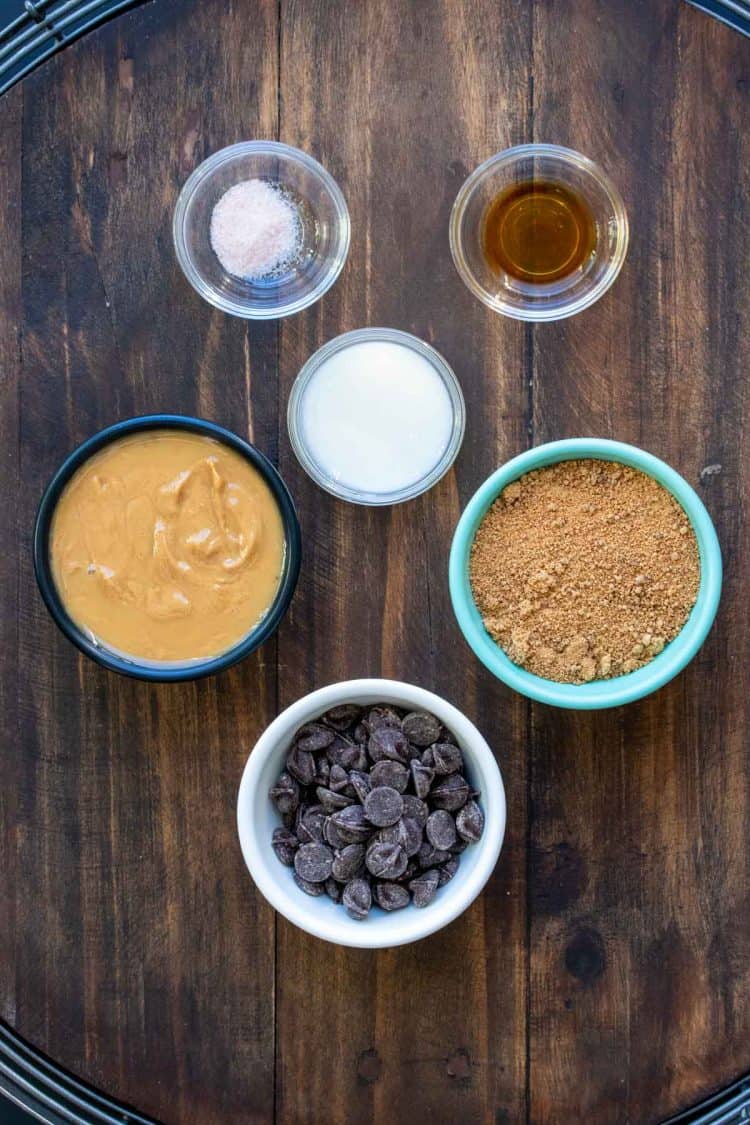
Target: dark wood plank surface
[(434, 1020), (143, 958), (640, 972), (604, 975)]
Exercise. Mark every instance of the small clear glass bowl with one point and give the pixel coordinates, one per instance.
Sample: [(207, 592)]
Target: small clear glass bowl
[(568, 295), (296, 427), (326, 230)]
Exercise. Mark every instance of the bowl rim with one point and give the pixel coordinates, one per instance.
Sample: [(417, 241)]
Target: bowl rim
[(406, 925), (203, 172), (340, 343), (569, 156), (166, 672), (600, 693)]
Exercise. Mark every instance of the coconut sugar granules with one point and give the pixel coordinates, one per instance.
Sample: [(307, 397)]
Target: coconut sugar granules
[(584, 570)]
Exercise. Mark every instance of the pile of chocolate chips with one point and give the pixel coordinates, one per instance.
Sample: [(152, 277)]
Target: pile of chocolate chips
[(375, 806)]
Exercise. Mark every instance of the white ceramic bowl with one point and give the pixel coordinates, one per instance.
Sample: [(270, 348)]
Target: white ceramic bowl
[(257, 818)]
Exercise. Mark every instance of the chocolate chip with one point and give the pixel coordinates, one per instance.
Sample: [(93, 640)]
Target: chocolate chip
[(312, 862), (351, 824), (301, 765), (314, 889), (332, 801), (360, 734), (406, 833), (347, 862), (411, 870), (414, 834), (422, 778), (360, 783), (357, 899), (385, 861), (331, 834), (383, 806), (447, 871), (343, 716), (338, 778), (310, 824), (387, 772), (415, 809), (379, 717), (429, 856), (390, 896), (423, 888), (346, 754), (428, 758), (358, 760), (470, 822), (450, 792), (441, 829), (355, 759), (447, 758), (284, 844), (285, 794), (322, 770), (333, 889), (314, 736), (335, 748), (393, 834), (285, 836), (421, 728), (387, 742)]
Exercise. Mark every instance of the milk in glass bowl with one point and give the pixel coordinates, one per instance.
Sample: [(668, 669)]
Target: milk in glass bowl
[(376, 416)]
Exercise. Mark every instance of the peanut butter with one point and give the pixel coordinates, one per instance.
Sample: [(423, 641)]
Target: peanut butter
[(167, 546)]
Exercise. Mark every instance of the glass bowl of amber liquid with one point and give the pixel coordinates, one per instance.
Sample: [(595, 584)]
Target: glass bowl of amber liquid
[(538, 232)]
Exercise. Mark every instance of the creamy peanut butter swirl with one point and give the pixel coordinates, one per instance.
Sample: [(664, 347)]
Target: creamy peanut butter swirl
[(167, 546)]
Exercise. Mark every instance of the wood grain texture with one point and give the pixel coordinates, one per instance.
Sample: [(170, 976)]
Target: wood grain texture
[(443, 1020), (604, 975), (143, 957), (640, 832), (10, 371)]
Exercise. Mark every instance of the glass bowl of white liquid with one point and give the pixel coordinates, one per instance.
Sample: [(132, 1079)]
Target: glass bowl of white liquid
[(376, 416)]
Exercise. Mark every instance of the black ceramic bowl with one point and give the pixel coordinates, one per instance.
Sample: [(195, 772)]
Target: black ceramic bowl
[(167, 671)]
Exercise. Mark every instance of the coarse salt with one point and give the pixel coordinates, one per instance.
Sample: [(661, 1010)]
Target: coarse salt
[(255, 229)]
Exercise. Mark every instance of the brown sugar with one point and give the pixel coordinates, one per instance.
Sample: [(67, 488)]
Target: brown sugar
[(584, 570)]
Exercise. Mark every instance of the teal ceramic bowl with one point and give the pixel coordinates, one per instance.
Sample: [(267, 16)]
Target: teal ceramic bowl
[(599, 693)]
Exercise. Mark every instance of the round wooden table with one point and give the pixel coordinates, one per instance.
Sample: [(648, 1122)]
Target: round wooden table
[(604, 974)]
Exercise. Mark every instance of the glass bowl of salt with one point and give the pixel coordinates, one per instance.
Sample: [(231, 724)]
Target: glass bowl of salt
[(261, 230)]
